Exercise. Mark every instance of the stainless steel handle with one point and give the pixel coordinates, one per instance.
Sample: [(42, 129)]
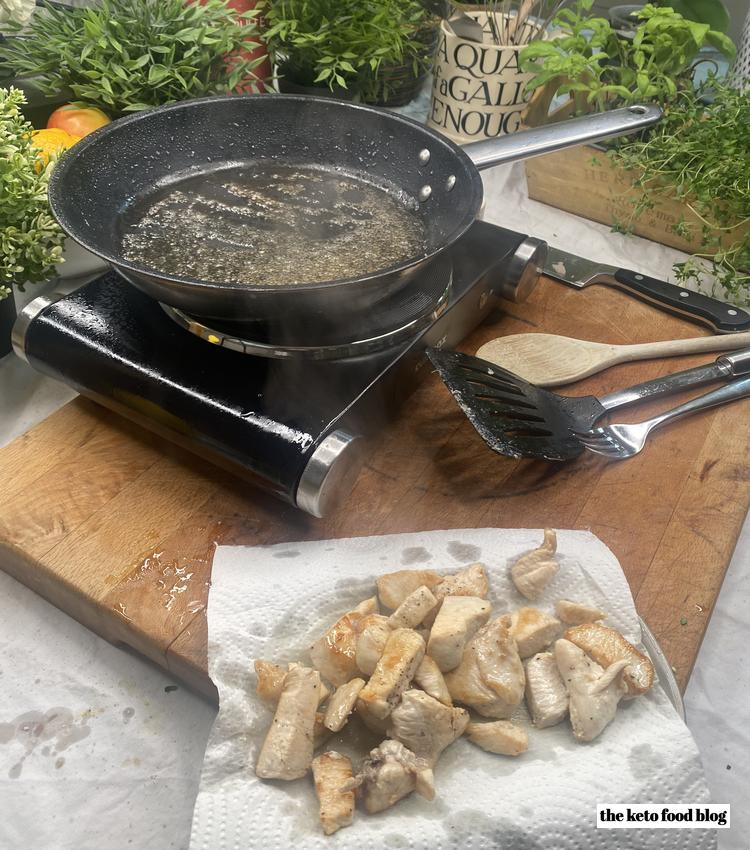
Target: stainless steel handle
[(553, 137), (731, 392), (725, 366), (695, 377), (737, 361)]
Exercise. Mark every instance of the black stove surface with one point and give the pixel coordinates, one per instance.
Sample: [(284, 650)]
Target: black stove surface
[(262, 416)]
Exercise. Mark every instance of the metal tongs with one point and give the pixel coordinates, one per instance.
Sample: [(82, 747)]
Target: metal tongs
[(519, 419)]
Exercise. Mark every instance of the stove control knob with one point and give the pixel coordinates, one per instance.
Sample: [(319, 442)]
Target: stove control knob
[(522, 270), (330, 473)]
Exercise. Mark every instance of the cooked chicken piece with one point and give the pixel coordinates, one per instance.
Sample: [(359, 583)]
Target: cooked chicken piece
[(373, 633), (342, 704), (471, 581), (270, 681), (574, 613), (430, 679), (606, 646), (334, 653), (457, 622), (413, 609), (393, 588), (425, 725), (500, 736), (532, 572), (403, 653), (546, 696), (533, 630), (490, 677), (324, 692), (378, 725), (331, 771), (594, 693), (389, 773), (321, 733), (288, 749)]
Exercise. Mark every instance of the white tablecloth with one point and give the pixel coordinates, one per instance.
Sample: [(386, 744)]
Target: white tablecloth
[(130, 781)]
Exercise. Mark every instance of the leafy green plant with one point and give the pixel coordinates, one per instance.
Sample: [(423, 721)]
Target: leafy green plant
[(711, 12), (128, 55), (700, 154), (600, 68), (345, 44), (30, 238)]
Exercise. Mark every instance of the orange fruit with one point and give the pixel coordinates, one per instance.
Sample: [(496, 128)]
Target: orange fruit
[(52, 142)]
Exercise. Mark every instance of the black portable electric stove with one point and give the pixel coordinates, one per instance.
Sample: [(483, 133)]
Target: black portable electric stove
[(293, 418)]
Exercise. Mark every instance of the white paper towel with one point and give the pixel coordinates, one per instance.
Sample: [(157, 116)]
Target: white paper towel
[(272, 602)]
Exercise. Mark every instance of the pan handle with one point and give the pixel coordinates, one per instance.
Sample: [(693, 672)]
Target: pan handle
[(565, 134)]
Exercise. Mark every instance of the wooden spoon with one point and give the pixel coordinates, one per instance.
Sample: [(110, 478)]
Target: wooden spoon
[(549, 360)]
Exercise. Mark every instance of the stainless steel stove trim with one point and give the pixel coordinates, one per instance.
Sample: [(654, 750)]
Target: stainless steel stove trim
[(60, 288), (523, 270), (314, 352), (330, 473)]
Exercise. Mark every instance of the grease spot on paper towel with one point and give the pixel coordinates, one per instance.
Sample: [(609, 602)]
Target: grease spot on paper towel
[(463, 551), (415, 555), (644, 762), (58, 726)]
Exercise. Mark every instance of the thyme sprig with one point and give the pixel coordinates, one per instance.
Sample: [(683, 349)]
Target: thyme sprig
[(700, 154)]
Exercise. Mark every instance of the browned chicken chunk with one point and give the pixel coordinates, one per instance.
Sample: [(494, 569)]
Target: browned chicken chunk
[(413, 609), (533, 630), (532, 572), (594, 693), (342, 704), (393, 588), (575, 613), (373, 633), (457, 621), (331, 772), (490, 677), (606, 645), (391, 772), (430, 679), (395, 669), (500, 736), (287, 751), (334, 653), (425, 725), (546, 695)]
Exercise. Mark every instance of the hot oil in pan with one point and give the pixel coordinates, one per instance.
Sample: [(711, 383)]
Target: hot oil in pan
[(282, 225)]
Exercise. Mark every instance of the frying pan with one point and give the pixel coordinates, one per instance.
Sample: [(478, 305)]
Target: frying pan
[(98, 184)]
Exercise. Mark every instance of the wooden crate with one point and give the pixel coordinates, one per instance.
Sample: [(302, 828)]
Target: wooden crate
[(584, 181)]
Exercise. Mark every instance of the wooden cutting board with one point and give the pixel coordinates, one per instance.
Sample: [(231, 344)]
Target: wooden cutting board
[(118, 528)]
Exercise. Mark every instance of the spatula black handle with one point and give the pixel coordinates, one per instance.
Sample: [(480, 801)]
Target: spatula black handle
[(721, 317)]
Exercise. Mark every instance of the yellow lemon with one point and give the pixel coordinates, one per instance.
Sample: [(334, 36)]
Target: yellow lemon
[(52, 142)]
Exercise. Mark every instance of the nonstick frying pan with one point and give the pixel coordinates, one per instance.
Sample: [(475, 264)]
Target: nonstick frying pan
[(99, 183)]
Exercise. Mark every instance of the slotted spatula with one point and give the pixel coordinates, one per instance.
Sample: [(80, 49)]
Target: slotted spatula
[(518, 419)]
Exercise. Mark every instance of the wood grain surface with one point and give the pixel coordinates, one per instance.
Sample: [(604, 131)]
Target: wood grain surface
[(118, 527)]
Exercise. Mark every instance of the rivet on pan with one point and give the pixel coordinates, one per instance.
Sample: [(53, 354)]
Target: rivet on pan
[(425, 192), (684, 294), (424, 156), (450, 182)]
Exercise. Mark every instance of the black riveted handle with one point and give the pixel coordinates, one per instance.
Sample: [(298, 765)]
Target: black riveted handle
[(722, 317)]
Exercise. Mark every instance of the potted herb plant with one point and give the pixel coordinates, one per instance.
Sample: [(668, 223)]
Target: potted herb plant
[(684, 182), (377, 51), (30, 238), (126, 55)]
